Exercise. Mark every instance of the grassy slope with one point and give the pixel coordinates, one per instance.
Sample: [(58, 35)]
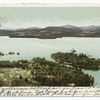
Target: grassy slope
[(8, 74)]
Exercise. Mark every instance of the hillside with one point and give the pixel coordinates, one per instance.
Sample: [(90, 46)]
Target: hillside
[(53, 32)]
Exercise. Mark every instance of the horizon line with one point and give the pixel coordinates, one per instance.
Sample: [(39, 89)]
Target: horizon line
[(40, 27)]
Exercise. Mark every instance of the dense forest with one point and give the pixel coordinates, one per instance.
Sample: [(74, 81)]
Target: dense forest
[(64, 70), (77, 60)]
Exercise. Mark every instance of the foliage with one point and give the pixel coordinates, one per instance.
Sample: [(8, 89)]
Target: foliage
[(1, 54), (49, 73), (41, 72), (76, 60)]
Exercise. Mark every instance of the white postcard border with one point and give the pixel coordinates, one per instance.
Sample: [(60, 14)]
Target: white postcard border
[(50, 91)]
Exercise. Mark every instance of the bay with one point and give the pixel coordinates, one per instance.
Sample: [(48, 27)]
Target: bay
[(33, 47)]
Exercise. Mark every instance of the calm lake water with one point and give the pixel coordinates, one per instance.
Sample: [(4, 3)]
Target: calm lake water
[(31, 47)]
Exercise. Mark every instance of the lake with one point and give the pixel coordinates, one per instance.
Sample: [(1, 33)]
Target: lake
[(32, 47)]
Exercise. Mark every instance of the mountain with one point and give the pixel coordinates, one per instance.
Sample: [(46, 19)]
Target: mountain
[(53, 32), (91, 31)]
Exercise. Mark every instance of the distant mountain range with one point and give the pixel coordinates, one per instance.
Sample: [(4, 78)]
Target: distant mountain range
[(53, 32)]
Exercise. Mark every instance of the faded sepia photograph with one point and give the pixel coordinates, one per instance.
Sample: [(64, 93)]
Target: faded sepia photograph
[(49, 46)]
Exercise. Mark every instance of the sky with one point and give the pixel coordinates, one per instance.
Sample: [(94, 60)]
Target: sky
[(21, 17)]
